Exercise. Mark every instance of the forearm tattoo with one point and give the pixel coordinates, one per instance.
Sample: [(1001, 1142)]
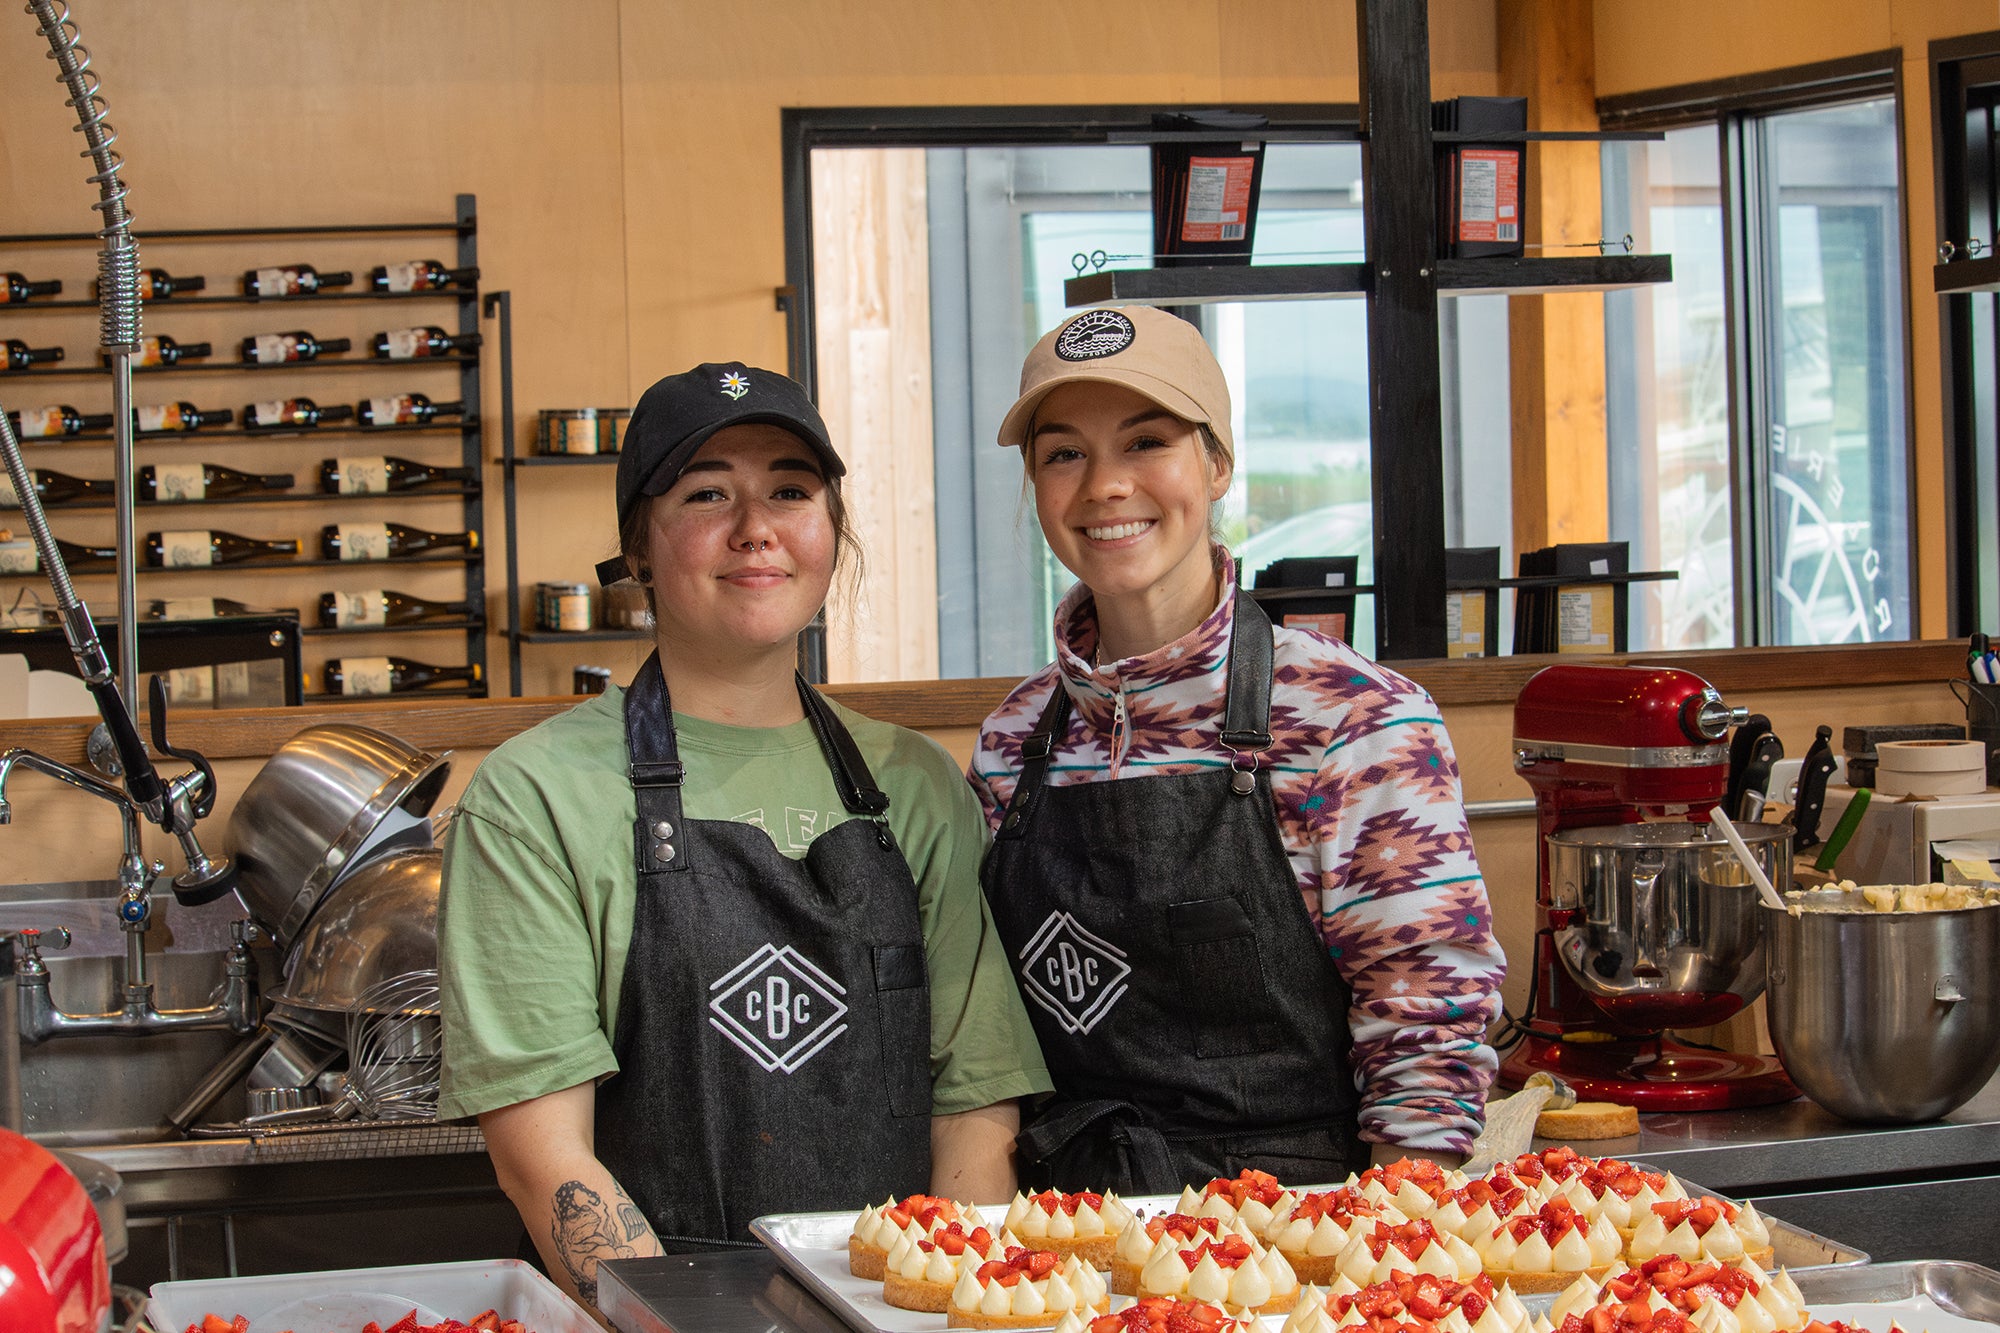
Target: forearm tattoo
[(586, 1231)]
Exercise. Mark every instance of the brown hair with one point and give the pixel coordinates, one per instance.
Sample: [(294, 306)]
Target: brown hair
[(632, 541)]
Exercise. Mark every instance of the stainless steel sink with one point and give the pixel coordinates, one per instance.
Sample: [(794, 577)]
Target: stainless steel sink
[(84, 1091)]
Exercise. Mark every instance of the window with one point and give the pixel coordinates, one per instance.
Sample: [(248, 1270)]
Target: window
[(982, 237), (1757, 405)]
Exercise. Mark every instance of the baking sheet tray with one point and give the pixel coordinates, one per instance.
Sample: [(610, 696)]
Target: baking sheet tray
[(1938, 1295), (812, 1247)]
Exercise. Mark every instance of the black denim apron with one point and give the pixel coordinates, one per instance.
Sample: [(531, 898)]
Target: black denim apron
[(773, 1035), (1189, 1012)]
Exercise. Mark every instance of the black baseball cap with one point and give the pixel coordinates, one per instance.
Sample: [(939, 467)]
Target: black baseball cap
[(677, 416)]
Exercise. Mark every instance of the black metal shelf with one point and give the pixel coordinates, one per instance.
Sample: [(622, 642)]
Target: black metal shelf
[(1962, 277), (149, 571), (338, 362), (578, 636), (421, 626), (267, 498), (429, 692), (241, 435), (554, 460), (1209, 283), (466, 225), (154, 307)]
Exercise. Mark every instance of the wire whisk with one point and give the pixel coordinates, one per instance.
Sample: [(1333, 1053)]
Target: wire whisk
[(395, 1048)]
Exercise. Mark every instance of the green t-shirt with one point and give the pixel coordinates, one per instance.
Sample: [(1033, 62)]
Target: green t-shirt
[(536, 912)]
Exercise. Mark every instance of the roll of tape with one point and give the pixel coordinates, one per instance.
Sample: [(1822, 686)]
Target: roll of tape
[(1930, 768)]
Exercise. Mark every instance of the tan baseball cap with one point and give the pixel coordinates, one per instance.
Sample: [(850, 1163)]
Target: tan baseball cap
[(1149, 351)]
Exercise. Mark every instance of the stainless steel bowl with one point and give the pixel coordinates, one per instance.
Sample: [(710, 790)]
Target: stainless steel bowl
[(311, 809), (1659, 922), (380, 921), (1886, 1017)]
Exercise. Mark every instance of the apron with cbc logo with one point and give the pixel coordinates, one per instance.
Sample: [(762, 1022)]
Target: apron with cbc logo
[(1187, 1008), (773, 1034)]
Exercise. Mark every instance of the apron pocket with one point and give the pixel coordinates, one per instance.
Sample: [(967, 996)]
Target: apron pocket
[(903, 1016), (1222, 976)]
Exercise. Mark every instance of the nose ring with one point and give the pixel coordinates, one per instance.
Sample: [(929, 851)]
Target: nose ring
[(762, 545)]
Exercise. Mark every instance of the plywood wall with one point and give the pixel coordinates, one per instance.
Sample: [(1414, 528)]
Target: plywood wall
[(625, 155)]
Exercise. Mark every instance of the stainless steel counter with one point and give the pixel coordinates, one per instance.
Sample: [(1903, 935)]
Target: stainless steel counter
[(1797, 1145)]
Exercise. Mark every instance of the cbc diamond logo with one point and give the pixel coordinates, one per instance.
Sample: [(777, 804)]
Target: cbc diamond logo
[(778, 1008), (1072, 973)]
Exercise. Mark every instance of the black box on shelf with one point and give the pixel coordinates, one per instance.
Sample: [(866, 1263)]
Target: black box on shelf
[(1480, 196), (1205, 193), (1310, 592), (1567, 610), (1472, 614)]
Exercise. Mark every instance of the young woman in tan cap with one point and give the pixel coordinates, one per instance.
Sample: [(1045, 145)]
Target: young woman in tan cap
[(1230, 862), (712, 945)]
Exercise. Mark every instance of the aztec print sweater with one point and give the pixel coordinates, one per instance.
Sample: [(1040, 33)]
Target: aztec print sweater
[(1369, 811)]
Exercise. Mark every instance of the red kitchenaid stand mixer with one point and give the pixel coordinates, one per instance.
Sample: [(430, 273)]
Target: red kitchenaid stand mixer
[(1617, 746)]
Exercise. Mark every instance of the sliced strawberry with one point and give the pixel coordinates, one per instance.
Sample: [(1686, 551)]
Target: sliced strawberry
[(991, 1269), (951, 1243)]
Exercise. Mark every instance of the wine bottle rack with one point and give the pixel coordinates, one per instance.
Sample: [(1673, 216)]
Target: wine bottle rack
[(279, 447)]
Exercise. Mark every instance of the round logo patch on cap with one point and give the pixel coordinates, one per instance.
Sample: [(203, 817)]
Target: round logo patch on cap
[(1095, 334)]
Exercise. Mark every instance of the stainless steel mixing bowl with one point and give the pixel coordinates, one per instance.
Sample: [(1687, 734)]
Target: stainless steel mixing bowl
[(1659, 922), (312, 807), (380, 921), (1889, 1017)]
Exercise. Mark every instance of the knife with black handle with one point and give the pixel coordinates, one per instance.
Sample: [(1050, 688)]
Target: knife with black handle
[(1742, 749), (1814, 773), (1765, 753)]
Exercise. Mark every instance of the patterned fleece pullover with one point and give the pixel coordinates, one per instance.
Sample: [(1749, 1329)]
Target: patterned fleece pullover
[(1370, 813)]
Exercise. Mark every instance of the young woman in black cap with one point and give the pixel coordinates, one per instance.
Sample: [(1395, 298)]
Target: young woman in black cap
[(713, 946), (1230, 861)]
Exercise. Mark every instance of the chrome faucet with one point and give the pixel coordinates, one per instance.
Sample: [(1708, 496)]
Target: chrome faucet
[(234, 1008)]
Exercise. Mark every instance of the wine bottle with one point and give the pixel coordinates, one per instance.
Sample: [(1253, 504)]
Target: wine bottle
[(391, 675), (52, 488), (37, 423), (156, 284), (203, 481), (405, 409), (15, 288), (420, 275), (199, 608), (274, 349), (379, 475), (387, 541), (20, 356), (291, 413), (164, 351), (19, 556), (384, 606), (291, 280), (164, 418), (190, 549), (429, 340)]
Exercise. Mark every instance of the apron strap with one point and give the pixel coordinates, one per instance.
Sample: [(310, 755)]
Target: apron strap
[(1035, 751), (1246, 717), (858, 791), (1119, 1125), (659, 844)]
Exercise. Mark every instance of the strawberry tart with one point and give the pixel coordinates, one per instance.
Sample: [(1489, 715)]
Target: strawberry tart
[(1086, 1224), (1697, 1229), (1410, 1301), (1388, 1248), (876, 1229), (1158, 1314), (1313, 1230), (1549, 1249), (1234, 1272), (920, 1271), (1025, 1288)]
